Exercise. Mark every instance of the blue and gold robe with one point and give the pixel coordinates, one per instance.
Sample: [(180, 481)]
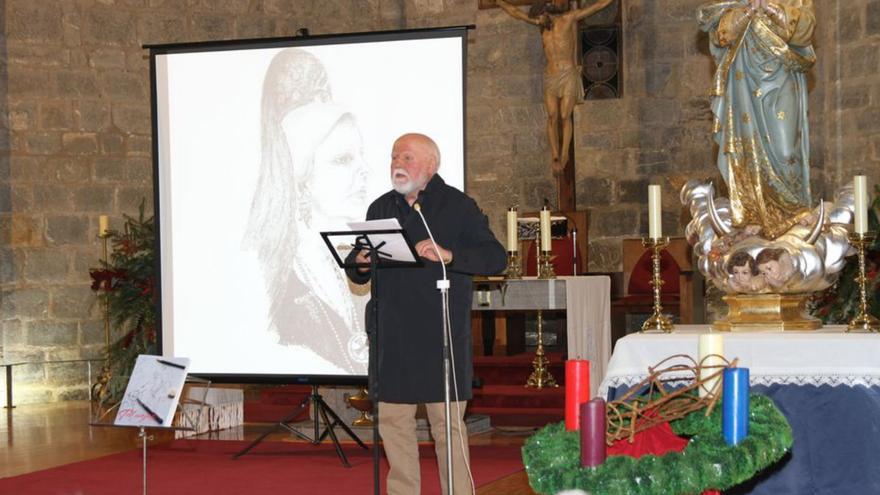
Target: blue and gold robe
[(759, 100)]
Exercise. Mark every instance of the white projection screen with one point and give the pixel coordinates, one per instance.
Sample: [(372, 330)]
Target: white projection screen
[(259, 146)]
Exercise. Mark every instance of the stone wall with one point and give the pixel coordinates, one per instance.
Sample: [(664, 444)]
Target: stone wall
[(75, 131), (75, 143)]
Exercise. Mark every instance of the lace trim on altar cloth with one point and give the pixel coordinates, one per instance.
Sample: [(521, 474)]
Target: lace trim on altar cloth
[(833, 380)]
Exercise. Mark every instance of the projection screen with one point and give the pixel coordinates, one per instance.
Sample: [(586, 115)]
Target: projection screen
[(259, 146)]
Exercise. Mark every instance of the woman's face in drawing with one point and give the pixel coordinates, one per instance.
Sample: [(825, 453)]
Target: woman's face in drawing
[(338, 178)]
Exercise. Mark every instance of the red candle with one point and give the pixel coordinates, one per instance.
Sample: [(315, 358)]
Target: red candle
[(577, 390), (593, 432)]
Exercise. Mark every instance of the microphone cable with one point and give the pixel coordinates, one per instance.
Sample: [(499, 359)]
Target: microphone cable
[(444, 285)]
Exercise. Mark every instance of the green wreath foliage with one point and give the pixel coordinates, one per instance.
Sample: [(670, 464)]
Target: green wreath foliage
[(552, 457)]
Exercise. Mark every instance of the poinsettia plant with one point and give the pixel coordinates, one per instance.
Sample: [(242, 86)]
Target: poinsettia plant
[(840, 302), (126, 282)]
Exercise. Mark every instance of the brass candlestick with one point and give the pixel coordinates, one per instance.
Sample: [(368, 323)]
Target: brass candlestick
[(863, 322), (545, 267), (514, 265), (361, 401), (100, 388), (658, 322), (540, 376)]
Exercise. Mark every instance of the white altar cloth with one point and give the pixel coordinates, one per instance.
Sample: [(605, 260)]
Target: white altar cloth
[(828, 356)]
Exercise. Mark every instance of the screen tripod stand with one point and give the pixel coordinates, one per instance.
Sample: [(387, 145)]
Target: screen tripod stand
[(322, 412)]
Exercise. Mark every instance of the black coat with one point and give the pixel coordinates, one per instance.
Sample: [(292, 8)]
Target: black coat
[(410, 344)]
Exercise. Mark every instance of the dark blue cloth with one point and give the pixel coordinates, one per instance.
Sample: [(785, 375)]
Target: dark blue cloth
[(836, 447)]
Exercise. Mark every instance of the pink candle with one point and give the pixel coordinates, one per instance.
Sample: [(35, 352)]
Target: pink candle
[(593, 432), (577, 390)]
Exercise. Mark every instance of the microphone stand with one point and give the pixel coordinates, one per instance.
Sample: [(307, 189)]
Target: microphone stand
[(443, 286)]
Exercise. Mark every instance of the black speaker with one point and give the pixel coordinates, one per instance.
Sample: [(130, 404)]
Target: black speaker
[(601, 62)]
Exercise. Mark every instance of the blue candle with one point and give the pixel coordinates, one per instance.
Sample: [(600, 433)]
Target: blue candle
[(735, 405)]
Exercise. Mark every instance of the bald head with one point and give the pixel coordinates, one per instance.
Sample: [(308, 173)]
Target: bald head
[(415, 158)]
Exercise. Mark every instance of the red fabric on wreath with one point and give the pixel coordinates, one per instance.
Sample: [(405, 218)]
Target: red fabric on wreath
[(657, 440)]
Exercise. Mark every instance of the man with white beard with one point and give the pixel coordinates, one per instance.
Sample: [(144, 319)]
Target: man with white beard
[(410, 337)]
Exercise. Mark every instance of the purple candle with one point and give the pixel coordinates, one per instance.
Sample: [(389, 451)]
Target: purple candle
[(593, 432)]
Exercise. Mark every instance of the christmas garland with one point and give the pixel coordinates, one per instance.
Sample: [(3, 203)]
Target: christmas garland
[(552, 457), (126, 283)]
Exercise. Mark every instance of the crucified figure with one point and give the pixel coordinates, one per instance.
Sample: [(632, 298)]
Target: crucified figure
[(562, 76)]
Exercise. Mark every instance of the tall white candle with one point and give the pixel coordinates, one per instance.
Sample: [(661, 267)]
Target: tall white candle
[(103, 225), (861, 204), (711, 343), (512, 244), (655, 209), (545, 229)]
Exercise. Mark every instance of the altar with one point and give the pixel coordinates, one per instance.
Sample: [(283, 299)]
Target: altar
[(827, 383), (586, 301)]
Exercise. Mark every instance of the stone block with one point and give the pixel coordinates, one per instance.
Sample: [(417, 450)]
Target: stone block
[(23, 116), (21, 230), (109, 169), (111, 143), (872, 18), (26, 54), (55, 115), (106, 25), (73, 302), (860, 61), (139, 146), (123, 85), (52, 198), (72, 83), (46, 265), (92, 114), (69, 169), (67, 229), (212, 26), (129, 200), (92, 333), (67, 374), (664, 111), (132, 118), (27, 20), (139, 170), (850, 25), (614, 222), (633, 191), (85, 259), (107, 58), (25, 303), (79, 143), (92, 198), (254, 26), (10, 266), (11, 333), (594, 191), (43, 143), (160, 27), (605, 255), (43, 333)]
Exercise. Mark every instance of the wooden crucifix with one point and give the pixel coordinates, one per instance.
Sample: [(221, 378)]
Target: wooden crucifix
[(563, 86)]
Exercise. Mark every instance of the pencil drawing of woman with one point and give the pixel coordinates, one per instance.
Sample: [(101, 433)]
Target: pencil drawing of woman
[(312, 178)]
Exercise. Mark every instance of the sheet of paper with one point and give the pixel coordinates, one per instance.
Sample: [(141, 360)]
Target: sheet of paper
[(395, 247), (153, 391)]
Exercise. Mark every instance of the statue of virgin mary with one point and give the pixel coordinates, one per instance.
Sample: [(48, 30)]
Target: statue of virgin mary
[(762, 49)]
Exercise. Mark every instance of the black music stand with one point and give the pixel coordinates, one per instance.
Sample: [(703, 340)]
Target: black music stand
[(398, 252)]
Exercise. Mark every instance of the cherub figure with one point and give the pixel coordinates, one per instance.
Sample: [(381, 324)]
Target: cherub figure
[(744, 274), (776, 266)]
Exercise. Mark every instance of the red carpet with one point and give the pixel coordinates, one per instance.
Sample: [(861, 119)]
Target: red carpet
[(204, 466)]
